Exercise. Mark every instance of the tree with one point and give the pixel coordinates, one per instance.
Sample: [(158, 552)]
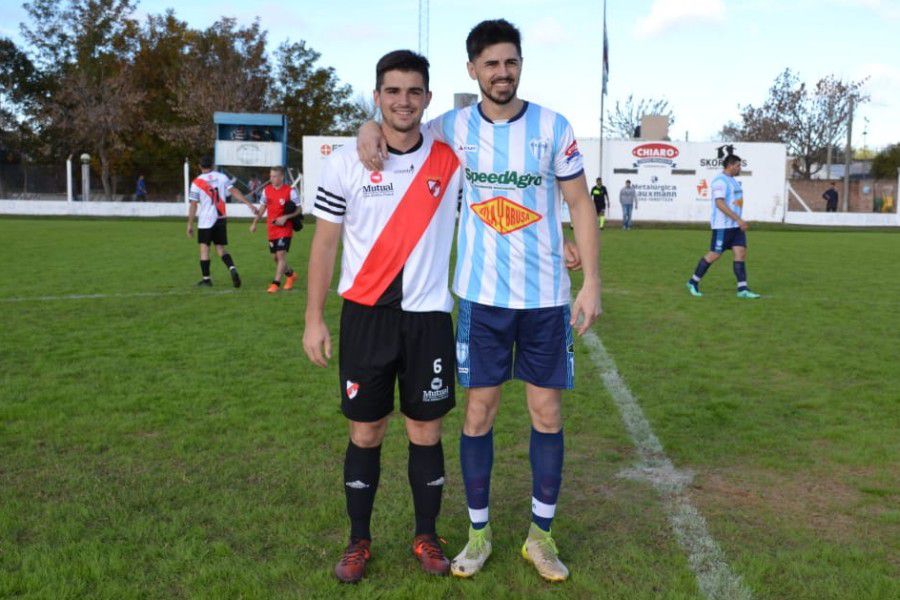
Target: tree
[(626, 118), (807, 120), (886, 162)]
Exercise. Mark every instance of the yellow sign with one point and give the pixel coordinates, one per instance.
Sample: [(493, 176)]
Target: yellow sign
[(505, 216)]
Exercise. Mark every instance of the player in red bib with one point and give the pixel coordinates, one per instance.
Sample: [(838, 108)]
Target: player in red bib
[(282, 203)]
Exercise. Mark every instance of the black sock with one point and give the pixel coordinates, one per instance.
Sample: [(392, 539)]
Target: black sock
[(740, 273), (426, 479), (288, 272), (204, 268), (700, 271), (226, 258), (362, 469), (277, 282)]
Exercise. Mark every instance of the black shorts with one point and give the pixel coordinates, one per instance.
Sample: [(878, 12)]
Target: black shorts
[(280, 244), (380, 346), (217, 234)]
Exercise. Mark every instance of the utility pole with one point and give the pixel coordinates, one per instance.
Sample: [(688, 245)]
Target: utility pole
[(603, 80), (847, 157)]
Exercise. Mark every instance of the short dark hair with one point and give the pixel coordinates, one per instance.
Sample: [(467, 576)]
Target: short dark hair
[(627, 181), (730, 160), (206, 161), (401, 60), (277, 168), (488, 33)]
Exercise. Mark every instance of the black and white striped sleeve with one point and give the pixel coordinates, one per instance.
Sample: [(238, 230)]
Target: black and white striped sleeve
[(330, 203)]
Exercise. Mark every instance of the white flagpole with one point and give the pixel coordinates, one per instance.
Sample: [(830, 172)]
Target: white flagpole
[(603, 78)]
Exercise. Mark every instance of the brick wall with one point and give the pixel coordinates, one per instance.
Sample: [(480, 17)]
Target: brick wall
[(862, 193)]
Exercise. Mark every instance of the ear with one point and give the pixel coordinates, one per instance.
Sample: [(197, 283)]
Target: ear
[(427, 98), (377, 97), (470, 66)]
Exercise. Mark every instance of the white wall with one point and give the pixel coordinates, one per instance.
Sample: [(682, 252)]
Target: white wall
[(107, 209)]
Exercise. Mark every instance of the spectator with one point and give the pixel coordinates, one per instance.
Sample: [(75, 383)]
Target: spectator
[(254, 184), (140, 190), (628, 200), (831, 198), (601, 201), (238, 134)]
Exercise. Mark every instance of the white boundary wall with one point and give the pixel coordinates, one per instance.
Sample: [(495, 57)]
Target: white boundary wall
[(107, 209)]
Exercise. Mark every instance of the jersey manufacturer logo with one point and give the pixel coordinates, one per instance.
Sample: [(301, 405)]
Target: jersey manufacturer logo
[(539, 147), (434, 186), (467, 148), (352, 389), (572, 152), (375, 177), (505, 216)]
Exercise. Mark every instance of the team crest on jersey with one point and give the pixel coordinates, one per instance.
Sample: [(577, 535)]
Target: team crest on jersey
[(539, 147), (462, 352), (352, 389), (505, 216), (434, 186), (572, 152)]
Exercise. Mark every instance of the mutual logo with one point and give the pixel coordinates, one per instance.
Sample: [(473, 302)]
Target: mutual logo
[(434, 186), (375, 177), (655, 154), (377, 188), (352, 389), (539, 147), (437, 392), (572, 152), (505, 216), (507, 179)]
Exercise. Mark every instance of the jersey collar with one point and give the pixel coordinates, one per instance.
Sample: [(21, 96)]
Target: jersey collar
[(411, 150), (515, 118)]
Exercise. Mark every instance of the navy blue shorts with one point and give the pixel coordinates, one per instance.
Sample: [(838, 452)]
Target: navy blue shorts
[(726, 239), (495, 344)]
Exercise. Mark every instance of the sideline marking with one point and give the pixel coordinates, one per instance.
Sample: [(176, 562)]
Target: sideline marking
[(102, 296), (714, 577)]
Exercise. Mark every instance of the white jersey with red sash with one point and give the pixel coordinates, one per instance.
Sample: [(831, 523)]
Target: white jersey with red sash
[(398, 225), (210, 190)]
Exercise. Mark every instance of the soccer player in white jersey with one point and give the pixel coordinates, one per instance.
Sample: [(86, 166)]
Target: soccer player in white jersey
[(521, 161), (208, 192), (396, 229), (728, 228)]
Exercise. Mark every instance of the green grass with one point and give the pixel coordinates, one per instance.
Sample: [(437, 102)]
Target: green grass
[(180, 445)]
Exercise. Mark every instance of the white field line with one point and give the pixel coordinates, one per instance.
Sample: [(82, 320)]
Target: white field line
[(715, 578), (103, 296)]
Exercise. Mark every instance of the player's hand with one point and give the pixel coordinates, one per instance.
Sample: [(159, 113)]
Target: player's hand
[(371, 146), (744, 225), (586, 307), (190, 230), (572, 256), (317, 343), (280, 221)]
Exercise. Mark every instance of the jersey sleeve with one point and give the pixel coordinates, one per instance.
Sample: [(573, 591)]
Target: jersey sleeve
[(717, 189), (331, 203), (567, 160), (295, 197), (441, 128), (194, 193)]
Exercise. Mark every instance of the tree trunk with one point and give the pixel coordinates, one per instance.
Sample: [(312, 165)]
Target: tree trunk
[(104, 173)]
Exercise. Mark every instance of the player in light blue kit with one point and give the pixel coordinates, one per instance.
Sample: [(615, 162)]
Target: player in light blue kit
[(728, 228)]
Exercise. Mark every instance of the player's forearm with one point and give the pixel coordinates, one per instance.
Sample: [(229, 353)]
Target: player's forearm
[(192, 212), (724, 208), (586, 238)]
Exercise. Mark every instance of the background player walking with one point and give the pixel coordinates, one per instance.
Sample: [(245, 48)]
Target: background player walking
[(277, 199), (208, 192), (728, 228), (395, 227)]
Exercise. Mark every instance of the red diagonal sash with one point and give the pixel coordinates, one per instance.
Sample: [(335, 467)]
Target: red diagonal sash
[(405, 227), (213, 194)]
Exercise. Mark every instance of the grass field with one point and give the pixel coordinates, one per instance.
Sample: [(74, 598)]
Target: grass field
[(162, 441)]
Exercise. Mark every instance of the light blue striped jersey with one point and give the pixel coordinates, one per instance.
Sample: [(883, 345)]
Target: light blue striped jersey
[(726, 187), (509, 250)]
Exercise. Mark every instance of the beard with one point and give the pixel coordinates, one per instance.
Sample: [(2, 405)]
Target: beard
[(500, 99)]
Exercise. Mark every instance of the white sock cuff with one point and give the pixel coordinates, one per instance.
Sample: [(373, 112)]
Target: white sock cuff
[(478, 515), (545, 511)]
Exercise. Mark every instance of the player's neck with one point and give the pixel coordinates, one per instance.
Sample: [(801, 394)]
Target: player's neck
[(501, 112), (402, 141)]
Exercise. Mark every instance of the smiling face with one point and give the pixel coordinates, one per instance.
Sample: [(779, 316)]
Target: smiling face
[(497, 70), (402, 99)]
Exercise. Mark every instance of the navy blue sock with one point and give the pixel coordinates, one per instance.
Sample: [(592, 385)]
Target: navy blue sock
[(740, 273), (700, 271), (546, 454), (476, 457)]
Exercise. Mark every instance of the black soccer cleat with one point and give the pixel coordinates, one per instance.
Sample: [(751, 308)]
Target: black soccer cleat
[(204, 283), (235, 278)]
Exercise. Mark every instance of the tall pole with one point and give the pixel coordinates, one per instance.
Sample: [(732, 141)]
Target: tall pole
[(603, 76), (846, 202)]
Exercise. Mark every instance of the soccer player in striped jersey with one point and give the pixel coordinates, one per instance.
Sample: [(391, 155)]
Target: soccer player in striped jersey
[(395, 226), (207, 202), (521, 161), (277, 199), (728, 228)]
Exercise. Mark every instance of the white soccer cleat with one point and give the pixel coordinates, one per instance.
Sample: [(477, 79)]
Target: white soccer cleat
[(473, 556), (540, 550)]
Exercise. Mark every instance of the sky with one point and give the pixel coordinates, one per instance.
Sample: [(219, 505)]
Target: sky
[(706, 57)]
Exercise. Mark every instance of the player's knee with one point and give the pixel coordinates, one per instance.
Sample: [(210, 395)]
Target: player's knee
[(424, 433), (367, 435), (546, 418)]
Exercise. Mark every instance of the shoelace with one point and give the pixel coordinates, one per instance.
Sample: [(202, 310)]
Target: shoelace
[(354, 555), (475, 546), (549, 553), (431, 549)]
